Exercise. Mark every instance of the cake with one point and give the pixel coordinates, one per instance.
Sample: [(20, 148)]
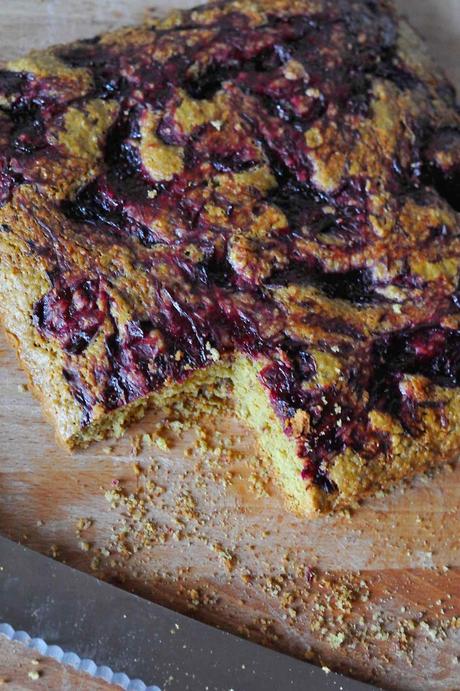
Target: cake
[(259, 191)]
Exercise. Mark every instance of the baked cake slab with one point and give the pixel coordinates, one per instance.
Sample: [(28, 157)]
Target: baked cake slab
[(262, 191)]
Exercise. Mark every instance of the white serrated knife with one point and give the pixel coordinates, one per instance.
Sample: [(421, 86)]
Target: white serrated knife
[(132, 642)]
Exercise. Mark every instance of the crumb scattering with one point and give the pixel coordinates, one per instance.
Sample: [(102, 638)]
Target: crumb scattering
[(316, 270)]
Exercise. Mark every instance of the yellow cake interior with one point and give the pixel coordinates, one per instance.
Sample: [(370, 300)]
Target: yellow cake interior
[(252, 406)]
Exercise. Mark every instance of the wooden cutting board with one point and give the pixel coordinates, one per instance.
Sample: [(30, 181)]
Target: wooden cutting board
[(375, 593)]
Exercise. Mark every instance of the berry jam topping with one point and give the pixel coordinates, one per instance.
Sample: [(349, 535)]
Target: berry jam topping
[(442, 164), (72, 313), (103, 65), (23, 129), (182, 339), (263, 187), (337, 418), (355, 285), (431, 352)]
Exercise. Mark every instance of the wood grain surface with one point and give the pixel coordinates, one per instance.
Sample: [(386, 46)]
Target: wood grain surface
[(22, 669), (375, 593)]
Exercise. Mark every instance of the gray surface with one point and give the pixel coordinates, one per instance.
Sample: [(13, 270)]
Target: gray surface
[(131, 635)]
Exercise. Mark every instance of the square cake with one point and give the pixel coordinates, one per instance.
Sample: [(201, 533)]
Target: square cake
[(263, 191)]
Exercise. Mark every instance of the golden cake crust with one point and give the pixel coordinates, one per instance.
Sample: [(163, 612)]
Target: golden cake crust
[(267, 191)]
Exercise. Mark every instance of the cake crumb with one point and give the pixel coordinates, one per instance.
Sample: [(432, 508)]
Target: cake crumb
[(54, 551), (162, 442), (84, 524), (300, 423)]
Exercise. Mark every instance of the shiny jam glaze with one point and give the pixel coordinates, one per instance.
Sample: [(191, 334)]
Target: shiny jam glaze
[(72, 314), (280, 77)]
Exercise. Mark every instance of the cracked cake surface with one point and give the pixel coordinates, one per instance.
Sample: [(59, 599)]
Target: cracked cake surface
[(262, 190)]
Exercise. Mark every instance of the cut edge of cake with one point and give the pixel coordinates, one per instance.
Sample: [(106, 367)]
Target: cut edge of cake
[(353, 478)]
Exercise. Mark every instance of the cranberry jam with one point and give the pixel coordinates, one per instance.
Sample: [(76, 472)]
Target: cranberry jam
[(276, 179)]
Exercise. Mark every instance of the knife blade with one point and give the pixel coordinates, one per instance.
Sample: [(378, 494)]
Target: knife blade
[(111, 633)]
